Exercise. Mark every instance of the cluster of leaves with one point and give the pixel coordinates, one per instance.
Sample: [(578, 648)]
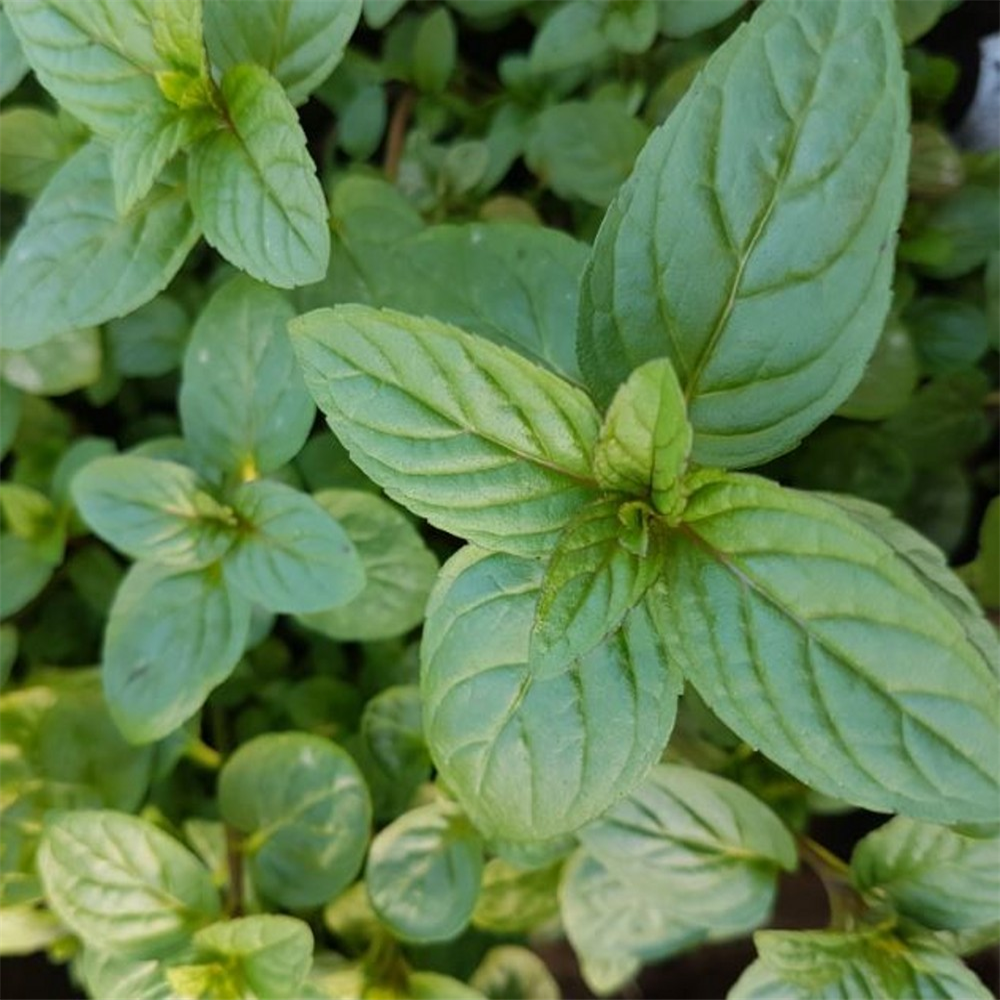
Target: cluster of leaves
[(647, 669)]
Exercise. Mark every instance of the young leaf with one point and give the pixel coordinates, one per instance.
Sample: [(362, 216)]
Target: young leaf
[(765, 277), (511, 971), (298, 41), (171, 638), (253, 186), (305, 806), (592, 581), (809, 638), (683, 18), (645, 440), (532, 757), (268, 955), (473, 437), (243, 404), (399, 570), (96, 57), (76, 263), (122, 884), (515, 900), (151, 509), (933, 875), (423, 873), (291, 555)]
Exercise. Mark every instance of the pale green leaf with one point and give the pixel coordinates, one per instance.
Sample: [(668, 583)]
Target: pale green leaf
[(645, 439), (33, 145), (516, 900), (763, 276), (814, 642), (290, 555), (935, 876), (13, 65), (69, 361), (269, 954), (112, 974), (96, 57), (152, 509), (177, 35), (120, 883), (243, 405), (171, 638), (76, 263), (298, 41), (423, 873), (529, 757), (306, 808), (27, 929), (399, 570), (510, 971), (253, 186), (473, 437)]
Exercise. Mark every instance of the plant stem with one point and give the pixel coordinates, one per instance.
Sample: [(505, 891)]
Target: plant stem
[(396, 137), (846, 904), (234, 865)]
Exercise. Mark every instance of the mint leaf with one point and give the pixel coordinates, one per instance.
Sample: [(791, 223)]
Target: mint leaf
[(305, 806), (253, 186), (808, 218), (75, 263), (243, 405), (149, 341), (298, 41), (152, 509), (177, 36), (111, 974), (933, 875), (513, 971), (645, 439), (13, 65), (96, 57), (810, 639), (121, 883), (171, 638), (291, 555), (399, 570), (532, 757), (515, 900), (69, 361), (33, 145), (26, 567), (473, 437), (683, 18), (423, 873)]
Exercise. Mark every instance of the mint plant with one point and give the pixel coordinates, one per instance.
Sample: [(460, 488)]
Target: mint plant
[(628, 555)]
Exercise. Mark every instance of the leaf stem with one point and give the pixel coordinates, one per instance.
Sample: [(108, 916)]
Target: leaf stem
[(199, 752), (396, 136), (234, 866), (846, 905)]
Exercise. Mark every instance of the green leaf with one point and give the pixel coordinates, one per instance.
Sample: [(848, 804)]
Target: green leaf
[(584, 149), (829, 965), (434, 51), (96, 57), (13, 65), (949, 334), (243, 405), (933, 875), (122, 884), (253, 186), (27, 929), (961, 230), (67, 362), (10, 415), (889, 378), (171, 638), (532, 757), (152, 509), (392, 732), (811, 640), (149, 341), (25, 567), (423, 873), (33, 145), (771, 310), (516, 900), (399, 570), (268, 955), (570, 36), (916, 17), (306, 808), (683, 18), (74, 263), (592, 581), (299, 42), (983, 573), (291, 555), (111, 974), (510, 971), (645, 439), (471, 436)]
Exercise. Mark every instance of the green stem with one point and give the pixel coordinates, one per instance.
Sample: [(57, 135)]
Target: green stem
[(847, 908)]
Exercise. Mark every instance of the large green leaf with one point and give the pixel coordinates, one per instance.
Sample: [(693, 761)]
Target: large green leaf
[(243, 405), (298, 41), (304, 805), (423, 873), (753, 243), (291, 555), (812, 640), (122, 884), (13, 65), (96, 57), (935, 876), (532, 757), (171, 638), (468, 434), (399, 569), (253, 186), (152, 509), (76, 263)]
